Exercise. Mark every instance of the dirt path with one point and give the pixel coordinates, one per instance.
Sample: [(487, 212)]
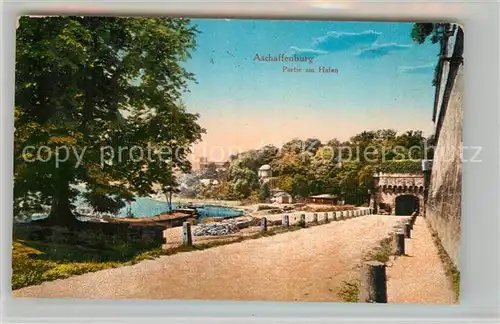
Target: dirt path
[(419, 277), (305, 265)]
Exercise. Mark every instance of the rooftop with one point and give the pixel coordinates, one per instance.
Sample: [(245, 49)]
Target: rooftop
[(281, 193), (327, 196), (265, 167)]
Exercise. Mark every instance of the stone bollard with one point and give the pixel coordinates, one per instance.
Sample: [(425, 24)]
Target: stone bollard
[(187, 239), (406, 230), (315, 218), (326, 218), (334, 216), (373, 284), (286, 221), (398, 243), (410, 224), (302, 222), (263, 224)]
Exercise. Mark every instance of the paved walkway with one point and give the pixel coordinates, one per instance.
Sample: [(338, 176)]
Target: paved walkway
[(305, 265), (419, 277)]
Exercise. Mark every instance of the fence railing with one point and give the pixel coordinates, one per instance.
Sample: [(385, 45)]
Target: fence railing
[(289, 219)]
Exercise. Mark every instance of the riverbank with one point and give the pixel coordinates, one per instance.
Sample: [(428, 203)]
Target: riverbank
[(213, 202)]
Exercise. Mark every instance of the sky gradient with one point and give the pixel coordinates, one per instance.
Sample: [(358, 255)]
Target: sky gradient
[(383, 81)]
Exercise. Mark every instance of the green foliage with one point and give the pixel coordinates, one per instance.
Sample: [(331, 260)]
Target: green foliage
[(88, 83), (451, 270), (36, 262), (420, 32), (403, 166), (264, 191), (34, 265), (349, 292), (304, 168), (103, 203), (381, 253)]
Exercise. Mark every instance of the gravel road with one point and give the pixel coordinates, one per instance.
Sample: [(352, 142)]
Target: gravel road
[(305, 265)]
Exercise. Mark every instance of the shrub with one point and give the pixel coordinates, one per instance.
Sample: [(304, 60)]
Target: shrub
[(400, 166), (349, 292)]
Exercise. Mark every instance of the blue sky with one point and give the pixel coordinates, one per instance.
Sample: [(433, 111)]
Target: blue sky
[(383, 81)]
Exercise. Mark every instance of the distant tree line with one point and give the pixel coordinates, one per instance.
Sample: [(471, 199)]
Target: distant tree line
[(309, 167)]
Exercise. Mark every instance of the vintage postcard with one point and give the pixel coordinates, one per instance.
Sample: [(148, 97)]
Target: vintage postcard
[(237, 159)]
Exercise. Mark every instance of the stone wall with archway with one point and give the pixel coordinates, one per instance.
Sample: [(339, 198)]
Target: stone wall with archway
[(390, 186)]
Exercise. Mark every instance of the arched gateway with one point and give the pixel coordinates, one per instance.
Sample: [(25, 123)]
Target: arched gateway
[(399, 193)]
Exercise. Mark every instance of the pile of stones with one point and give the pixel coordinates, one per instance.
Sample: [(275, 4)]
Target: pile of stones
[(216, 229)]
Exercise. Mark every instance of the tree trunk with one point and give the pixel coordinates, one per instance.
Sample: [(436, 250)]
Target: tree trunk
[(60, 212), (168, 194)]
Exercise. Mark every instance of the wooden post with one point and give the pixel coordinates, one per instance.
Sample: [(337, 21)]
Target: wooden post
[(263, 224), (302, 222), (286, 221), (315, 218), (398, 243), (406, 230), (373, 285), (326, 217), (187, 239)]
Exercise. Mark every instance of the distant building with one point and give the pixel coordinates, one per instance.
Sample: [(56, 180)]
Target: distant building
[(324, 199), (282, 197), (209, 182), (205, 164), (265, 172)]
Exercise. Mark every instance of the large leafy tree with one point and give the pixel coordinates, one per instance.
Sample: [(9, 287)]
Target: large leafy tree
[(109, 90)]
